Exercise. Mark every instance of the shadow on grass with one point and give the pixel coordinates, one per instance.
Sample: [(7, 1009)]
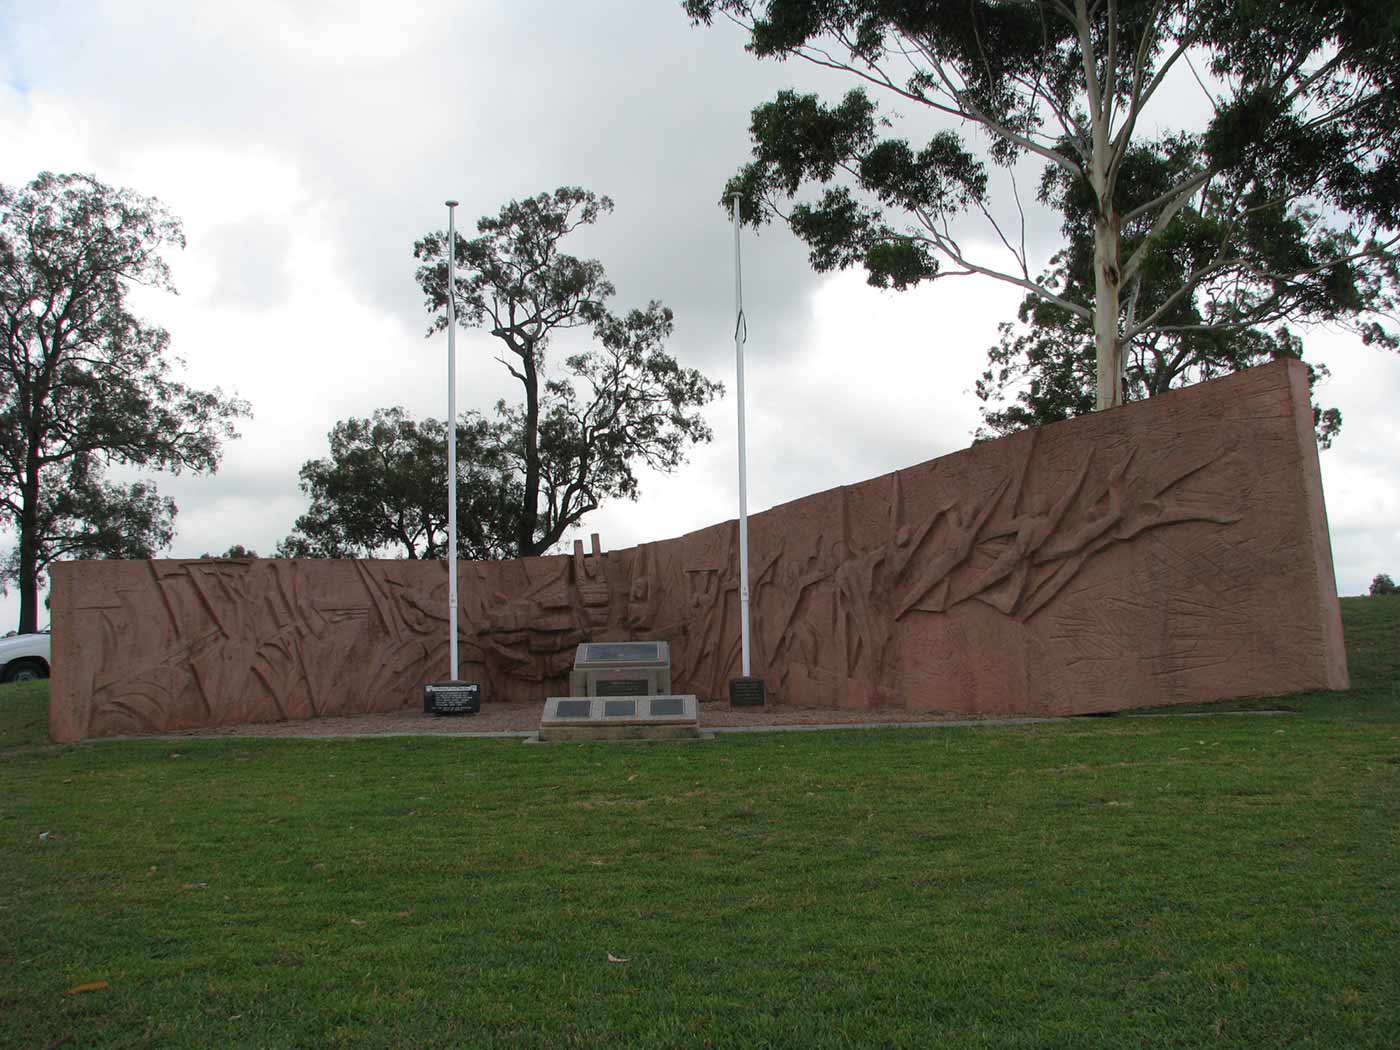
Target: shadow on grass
[(24, 716)]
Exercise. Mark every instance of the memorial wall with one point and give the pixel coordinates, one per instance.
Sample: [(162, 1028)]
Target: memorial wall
[(1169, 551)]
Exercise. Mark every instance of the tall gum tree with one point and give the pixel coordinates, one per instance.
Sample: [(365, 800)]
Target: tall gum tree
[(84, 383), (1282, 205), (579, 437)]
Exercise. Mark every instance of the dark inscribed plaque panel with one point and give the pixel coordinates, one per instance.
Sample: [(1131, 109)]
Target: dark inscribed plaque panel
[(620, 709), (460, 698), (747, 692), (620, 653), (573, 708)]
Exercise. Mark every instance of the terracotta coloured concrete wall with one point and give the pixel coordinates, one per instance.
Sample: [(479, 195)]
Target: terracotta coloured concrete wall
[(1172, 551)]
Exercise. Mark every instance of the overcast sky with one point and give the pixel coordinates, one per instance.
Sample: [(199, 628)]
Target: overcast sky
[(307, 144)]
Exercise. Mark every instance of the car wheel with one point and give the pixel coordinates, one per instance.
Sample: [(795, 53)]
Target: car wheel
[(26, 671)]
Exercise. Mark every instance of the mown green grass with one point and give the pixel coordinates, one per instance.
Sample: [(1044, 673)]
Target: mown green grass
[(1126, 882)]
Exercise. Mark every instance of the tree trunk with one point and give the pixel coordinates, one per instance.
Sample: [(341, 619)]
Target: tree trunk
[(530, 509), (1108, 344), (1107, 269), (29, 549)]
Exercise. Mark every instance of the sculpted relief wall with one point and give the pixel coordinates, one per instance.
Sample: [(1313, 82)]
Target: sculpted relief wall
[(1172, 551)]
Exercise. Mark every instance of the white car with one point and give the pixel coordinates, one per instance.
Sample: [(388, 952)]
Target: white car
[(24, 657)]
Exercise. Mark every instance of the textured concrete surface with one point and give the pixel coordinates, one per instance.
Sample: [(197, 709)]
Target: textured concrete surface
[(553, 734), (1171, 551)]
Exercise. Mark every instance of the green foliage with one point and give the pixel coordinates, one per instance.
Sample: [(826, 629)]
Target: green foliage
[(383, 490), (85, 382), (1383, 584), (577, 439), (1281, 208), (236, 552), (82, 516)]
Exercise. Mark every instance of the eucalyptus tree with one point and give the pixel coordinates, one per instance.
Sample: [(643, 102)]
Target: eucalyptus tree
[(623, 402), (85, 383), (1279, 205)]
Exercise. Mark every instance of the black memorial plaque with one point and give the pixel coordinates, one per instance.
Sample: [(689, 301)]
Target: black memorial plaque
[(747, 692), (573, 708), (620, 709), (451, 698), (668, 705), (620, 652)]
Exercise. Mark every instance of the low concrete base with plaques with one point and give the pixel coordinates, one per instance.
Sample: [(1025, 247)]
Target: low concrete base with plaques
[(668, 717)]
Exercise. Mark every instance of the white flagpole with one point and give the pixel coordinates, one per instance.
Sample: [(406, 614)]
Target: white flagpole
[(452, 434), (740, 335)]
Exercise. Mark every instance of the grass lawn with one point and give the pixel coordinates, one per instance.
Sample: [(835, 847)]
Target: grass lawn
[(1224, 881)]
